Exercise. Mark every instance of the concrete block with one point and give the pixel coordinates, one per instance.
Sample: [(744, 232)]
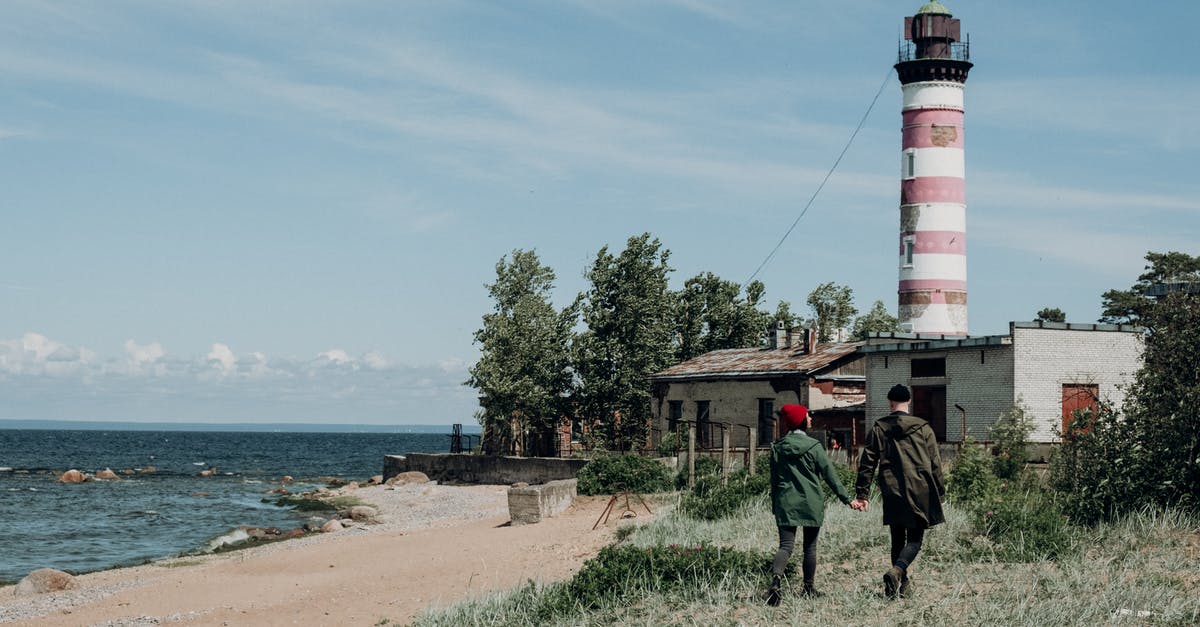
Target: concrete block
[(530, 504)]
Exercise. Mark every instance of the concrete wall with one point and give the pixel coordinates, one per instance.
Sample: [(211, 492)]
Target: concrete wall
[(729, 401), (533, 503), (1047, 358), (980, 378), (485, 469)]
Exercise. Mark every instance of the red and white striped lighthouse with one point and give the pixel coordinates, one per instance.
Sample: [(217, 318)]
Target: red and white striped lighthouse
[(932, 66)]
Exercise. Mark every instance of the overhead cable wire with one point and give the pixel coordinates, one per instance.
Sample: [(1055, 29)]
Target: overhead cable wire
[(828, 174)]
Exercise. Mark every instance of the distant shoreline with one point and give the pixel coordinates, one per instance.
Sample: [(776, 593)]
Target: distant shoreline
[(267, 427)]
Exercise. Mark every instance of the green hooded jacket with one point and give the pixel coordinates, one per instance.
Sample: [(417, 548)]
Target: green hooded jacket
[(905, 450), (797, 462)]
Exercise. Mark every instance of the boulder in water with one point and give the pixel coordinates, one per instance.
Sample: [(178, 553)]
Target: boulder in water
[(286, 479), (207, 473), (45, 580), (107, 473), (72, 476)]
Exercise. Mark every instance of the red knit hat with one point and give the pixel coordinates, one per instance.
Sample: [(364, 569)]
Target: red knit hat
[(794, 417)]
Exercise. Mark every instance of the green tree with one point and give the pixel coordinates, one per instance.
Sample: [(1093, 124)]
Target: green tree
[(630, 330), (1132, 305), (1051, 315), (711, 315), (877, 320), (833, 308), (1151, 455), (783, 313), (523, 374)]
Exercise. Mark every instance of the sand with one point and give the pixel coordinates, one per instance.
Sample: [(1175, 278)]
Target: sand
[(435, 546)]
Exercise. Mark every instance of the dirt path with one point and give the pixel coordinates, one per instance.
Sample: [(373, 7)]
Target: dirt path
[(347, 578)]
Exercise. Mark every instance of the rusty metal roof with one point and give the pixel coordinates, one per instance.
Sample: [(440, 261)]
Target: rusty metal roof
[(756, 362)]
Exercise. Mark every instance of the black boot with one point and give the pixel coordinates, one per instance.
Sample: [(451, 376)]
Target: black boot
[(905, 590), (891, 581), (810, 591), (774, 593)]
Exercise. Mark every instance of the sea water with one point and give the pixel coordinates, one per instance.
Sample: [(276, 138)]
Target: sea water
[(169, 510)]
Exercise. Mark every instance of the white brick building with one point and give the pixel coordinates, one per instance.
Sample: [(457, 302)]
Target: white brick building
[(1050, 368)]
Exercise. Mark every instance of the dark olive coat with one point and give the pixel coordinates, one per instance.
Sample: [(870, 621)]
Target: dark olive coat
[(904, 449), (797, 463)]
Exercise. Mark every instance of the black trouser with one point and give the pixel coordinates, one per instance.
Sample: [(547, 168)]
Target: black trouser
[(787, 542), (906, 543)]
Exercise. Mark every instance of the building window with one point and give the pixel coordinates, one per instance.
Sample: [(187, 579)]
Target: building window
[(982, 357), (908, 251), (766, 420), (910, 164), (929, 367), (674, 415), (703, 437)]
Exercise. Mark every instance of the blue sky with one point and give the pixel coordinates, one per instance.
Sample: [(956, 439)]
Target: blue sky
[(287, 211)]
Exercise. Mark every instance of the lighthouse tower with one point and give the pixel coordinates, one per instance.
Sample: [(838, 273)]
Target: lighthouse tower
[(932, 67)]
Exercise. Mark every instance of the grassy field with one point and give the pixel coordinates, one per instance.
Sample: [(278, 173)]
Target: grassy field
[(1143, 570)]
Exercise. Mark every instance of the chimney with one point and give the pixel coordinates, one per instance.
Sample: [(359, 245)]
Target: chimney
[(777, 336), (795, 337), (810, 340)]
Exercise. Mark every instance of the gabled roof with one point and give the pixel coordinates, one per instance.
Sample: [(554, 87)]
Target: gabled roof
[(734, 363)]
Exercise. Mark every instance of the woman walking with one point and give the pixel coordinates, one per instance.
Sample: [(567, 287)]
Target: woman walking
[(797, 463)]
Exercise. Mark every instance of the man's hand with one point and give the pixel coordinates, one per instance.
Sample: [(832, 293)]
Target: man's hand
[(860, 505)]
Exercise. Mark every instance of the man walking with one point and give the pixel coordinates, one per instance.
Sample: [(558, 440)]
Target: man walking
[(904, 449)]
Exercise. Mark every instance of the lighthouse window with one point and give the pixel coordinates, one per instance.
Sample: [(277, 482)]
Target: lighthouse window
[(910, 164), (908, 251)]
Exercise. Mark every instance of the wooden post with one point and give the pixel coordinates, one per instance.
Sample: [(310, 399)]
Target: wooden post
[(691, 454), (725, 455), (753, 446)]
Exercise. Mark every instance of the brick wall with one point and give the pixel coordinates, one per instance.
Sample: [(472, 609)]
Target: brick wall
[(1047, 358)]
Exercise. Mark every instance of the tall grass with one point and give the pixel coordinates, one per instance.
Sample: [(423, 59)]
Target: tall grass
[(1139, 570)]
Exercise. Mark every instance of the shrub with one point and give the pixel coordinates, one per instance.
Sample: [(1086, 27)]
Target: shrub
[(971, 480), (1025, 523), (1011, 437), (669, 445), (1093, 469), (709, 500), (705, 467), (619, 574), (610, 474)]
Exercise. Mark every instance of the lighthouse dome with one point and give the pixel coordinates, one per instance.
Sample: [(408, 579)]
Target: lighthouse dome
[(933, 7)]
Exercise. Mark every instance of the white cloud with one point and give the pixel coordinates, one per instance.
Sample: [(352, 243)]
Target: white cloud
[(43, 378), (336, 356), (222, 359), (376, 361), (35, 354)]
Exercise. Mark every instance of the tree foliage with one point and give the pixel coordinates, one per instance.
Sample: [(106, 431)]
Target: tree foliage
[(877, 320), (711, 314), (628, 313), (523, 374), (1110, 465), (1051, 315), (833, 308)]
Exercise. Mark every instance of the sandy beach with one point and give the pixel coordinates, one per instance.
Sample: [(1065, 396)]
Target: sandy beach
[(433, 545)]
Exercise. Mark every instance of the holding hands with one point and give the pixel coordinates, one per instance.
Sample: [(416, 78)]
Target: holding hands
[(859, 505)]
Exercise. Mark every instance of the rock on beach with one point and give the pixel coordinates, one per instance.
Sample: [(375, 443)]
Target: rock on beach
[(45, 580)]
